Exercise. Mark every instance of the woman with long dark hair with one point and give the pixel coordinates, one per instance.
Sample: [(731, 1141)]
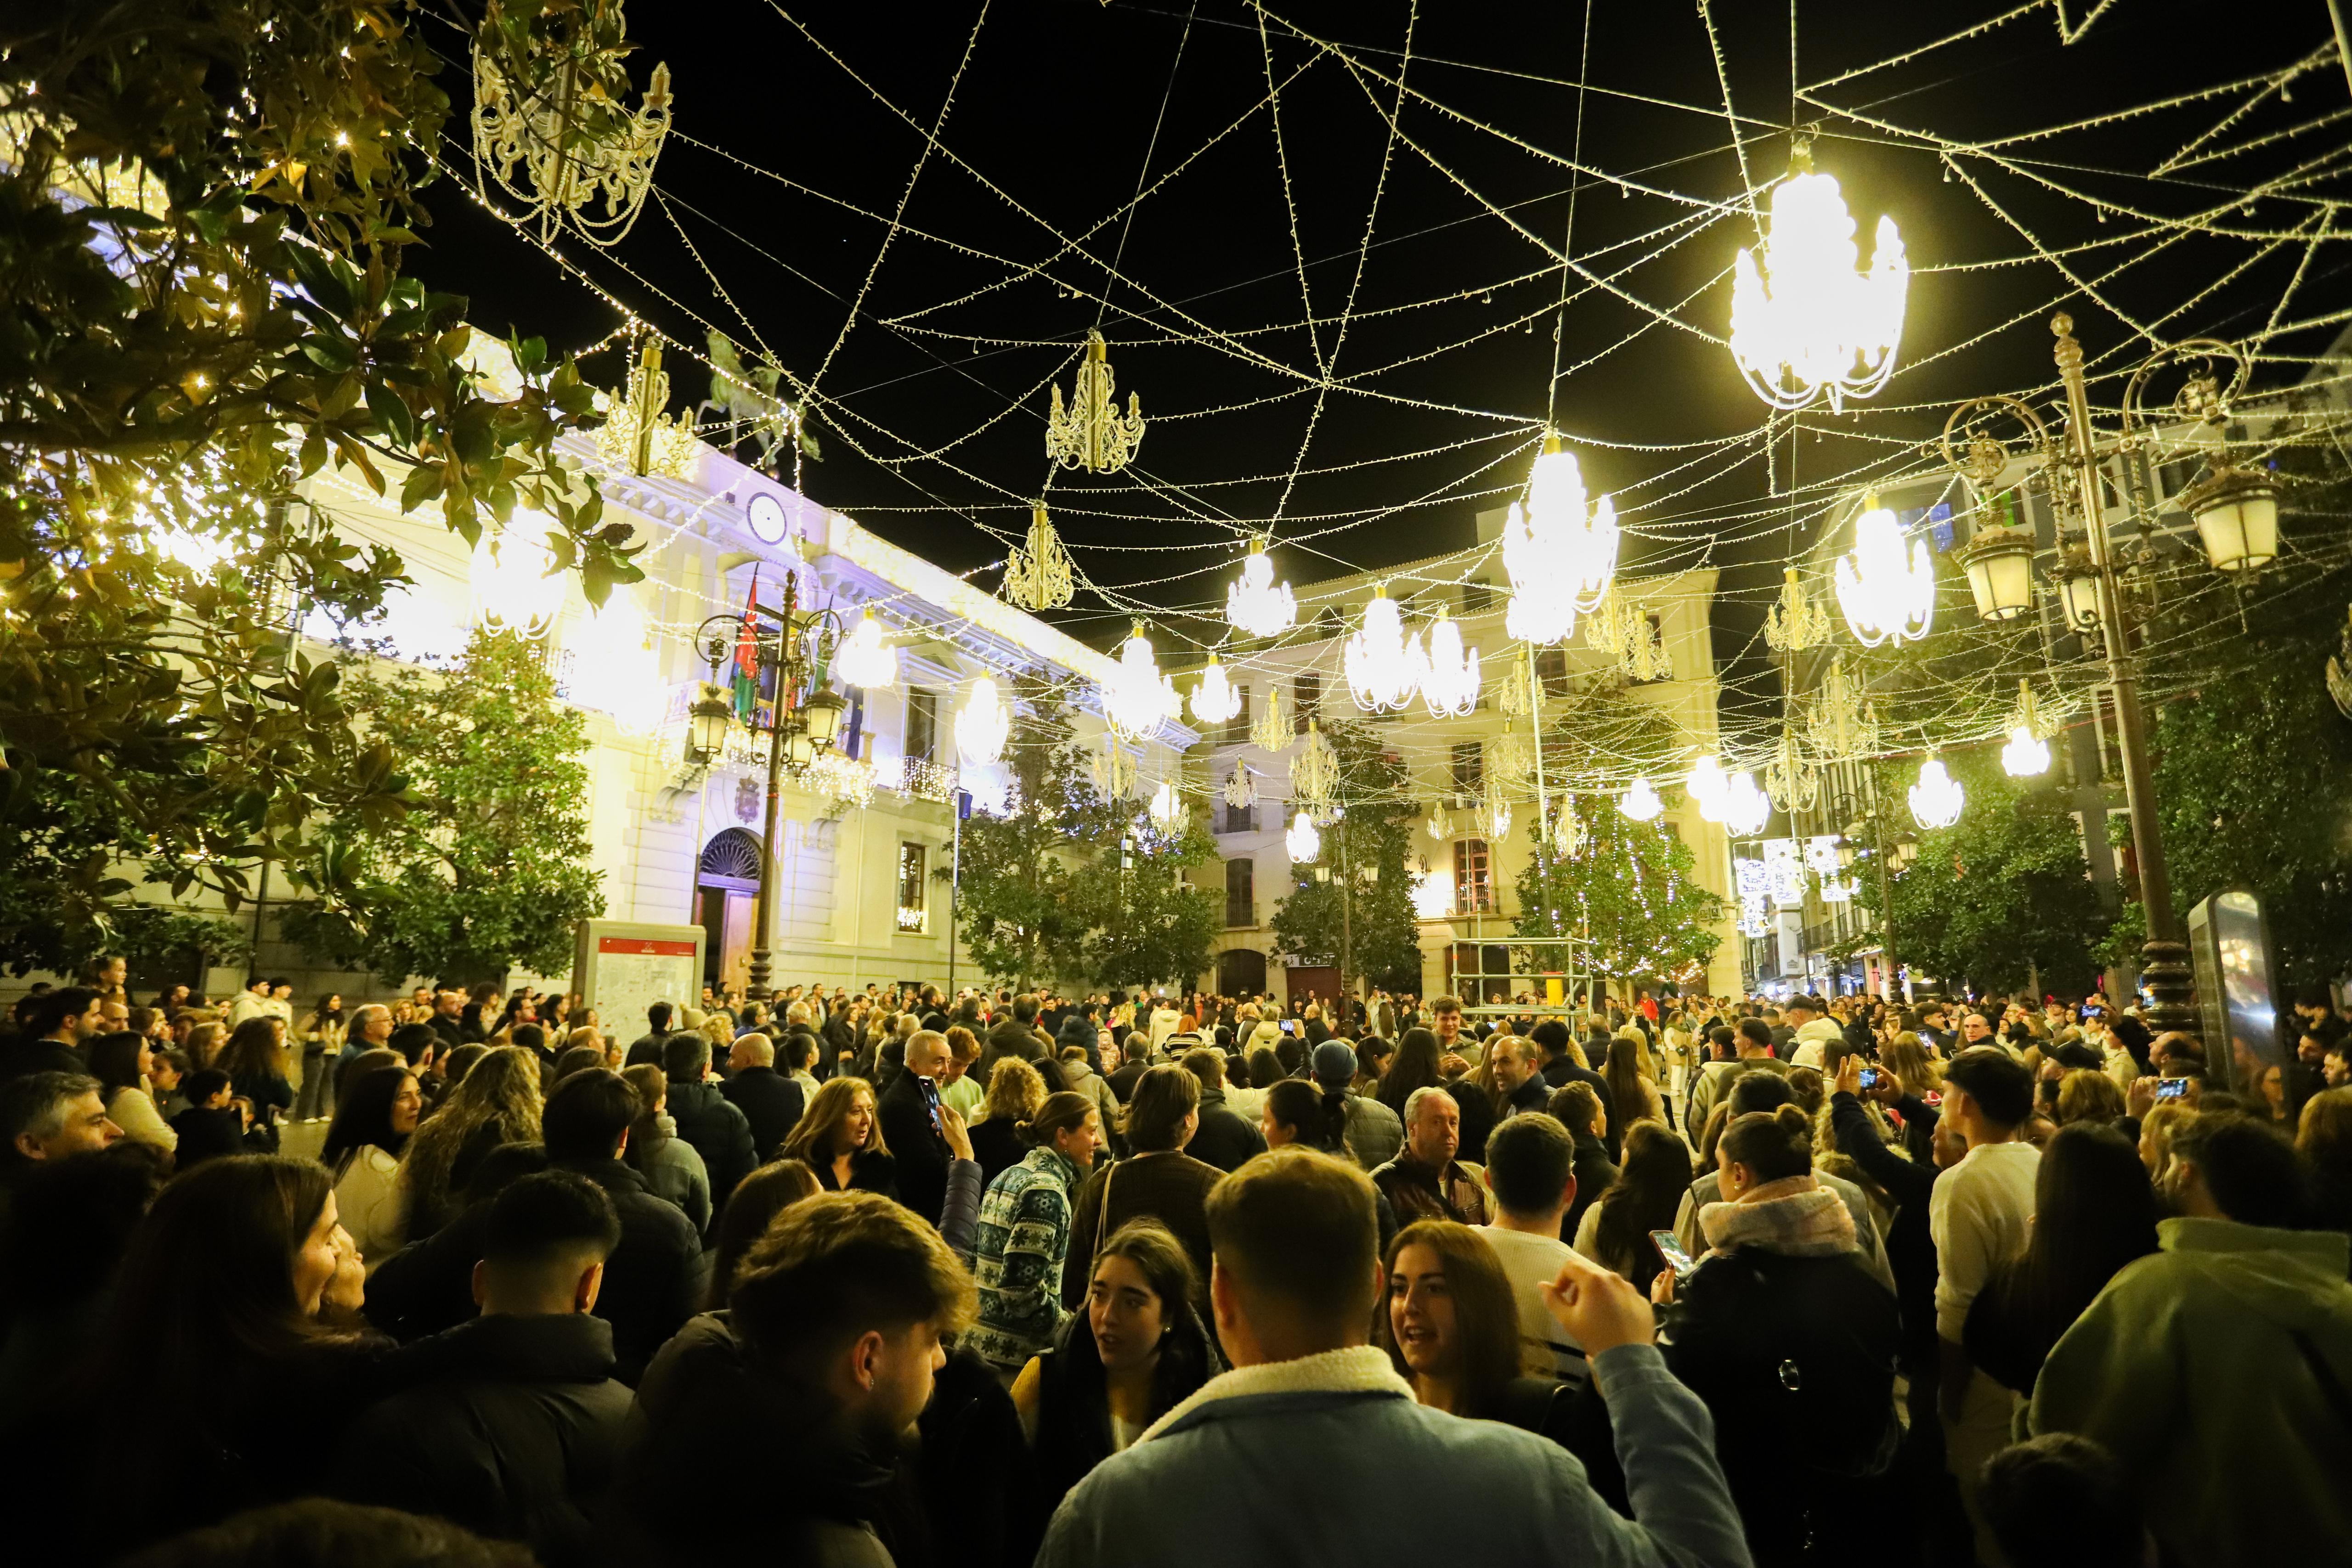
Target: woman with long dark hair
[(2093, 1211), (498, 1103), (1451, 1326), (255, 1060), (1633, 1096), (364, 1143), (1136, 1351), (122, 1062), (757, 1199), (1645, 1197), (1415, 1067)]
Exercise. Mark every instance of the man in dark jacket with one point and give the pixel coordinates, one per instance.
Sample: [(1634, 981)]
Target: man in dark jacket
[(719, 1132), (910, 1126), (653, 1279), (1595, 1174), (514, 1421), (658, 1017), (1015, 1036), (1226, 1137), (769, 1102)]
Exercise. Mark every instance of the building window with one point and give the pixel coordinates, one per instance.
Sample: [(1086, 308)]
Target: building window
[(914, 899), (922, 724), (1469, 767), (1551, 669), (1238, 726), (1241, 893), (1239, 818), (1308, 689), (1473, 893)]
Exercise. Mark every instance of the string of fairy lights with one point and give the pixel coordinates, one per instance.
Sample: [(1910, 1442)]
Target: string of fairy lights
[(1815, 328)]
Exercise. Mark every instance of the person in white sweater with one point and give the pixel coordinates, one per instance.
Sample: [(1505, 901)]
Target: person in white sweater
[(364, 1143)]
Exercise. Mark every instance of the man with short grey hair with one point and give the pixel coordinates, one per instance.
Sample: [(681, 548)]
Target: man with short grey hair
[(46, 1116), (1426, 1181), (909, 1113)]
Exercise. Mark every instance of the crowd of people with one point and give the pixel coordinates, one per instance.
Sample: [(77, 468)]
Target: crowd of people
[(884, 1275)]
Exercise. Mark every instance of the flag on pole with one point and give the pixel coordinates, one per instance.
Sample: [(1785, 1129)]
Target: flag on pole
[(747, 654)]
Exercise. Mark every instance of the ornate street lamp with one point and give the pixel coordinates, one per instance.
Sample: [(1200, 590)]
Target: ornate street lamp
[(706, 725), (2237, 518), (1998, 559)]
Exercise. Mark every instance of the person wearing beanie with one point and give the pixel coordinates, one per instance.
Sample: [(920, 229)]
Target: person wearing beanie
[(1374, 1132)]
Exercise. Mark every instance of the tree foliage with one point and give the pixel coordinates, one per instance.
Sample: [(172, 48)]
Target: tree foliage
[(488, 869), (203, 215), (1632, 890), (1310, 922)]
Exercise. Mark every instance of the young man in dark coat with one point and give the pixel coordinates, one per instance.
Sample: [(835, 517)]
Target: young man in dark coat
[(653, 1281), (513, 1428), (720, 1132)]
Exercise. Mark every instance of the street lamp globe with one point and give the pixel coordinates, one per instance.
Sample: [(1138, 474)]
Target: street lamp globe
[(1999, 563), (2237, 518), (822, 713), (706, 722)]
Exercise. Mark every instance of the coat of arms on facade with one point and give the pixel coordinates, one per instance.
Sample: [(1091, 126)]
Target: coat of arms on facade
[(747, 798)]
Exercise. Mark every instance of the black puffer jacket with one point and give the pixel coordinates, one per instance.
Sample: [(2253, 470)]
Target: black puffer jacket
[(720, 1132), (512, 1431), (772, 1104), (653, 1280)]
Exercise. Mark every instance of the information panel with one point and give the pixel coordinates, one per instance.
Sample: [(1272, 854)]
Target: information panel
[(623, 966)]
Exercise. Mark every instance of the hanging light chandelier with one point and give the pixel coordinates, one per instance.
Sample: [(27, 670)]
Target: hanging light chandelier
[(1560, 551), (1038, 578), (1449, 686), (1706, 784), (1270, 732), (1302, 842), (1842, 723), (1214, 700), (1091, 433), (1796, 623), (1569, 834), (1936, 799), (1745, 809), (637, 436), (982, 724), (2027, 755), (1138, 698), (1492, 816), (1439, 826), (1241, 788), (1790, 781), (1640, 801), (1806, 321), (1112, 769), (1883, 597), (549, 85), (1167, 810), (1511, 691), (618, 666), (1623, 631), (1511, 757), (1315, 771), (866, 660), (517, 586), (1257, 606), (1384, 667)]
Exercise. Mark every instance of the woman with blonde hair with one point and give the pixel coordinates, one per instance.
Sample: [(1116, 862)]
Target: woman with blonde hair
[(498, 1101), (1015, 1090), (1919, 1074), (1633, 1093), (840, 1138), (2088, 1094)]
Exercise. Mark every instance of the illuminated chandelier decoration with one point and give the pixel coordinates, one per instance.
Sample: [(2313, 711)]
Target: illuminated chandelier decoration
[(1449, 685), (1257, 606), (1796, 623), (1707, 784), (1623, 631), (1113, 770), (1241, 789), (1842, 723), (1790, 780), (1569, 834), (1883, 597), (2027, 755), (548, 91), (1214, 700), (1492, 816), (638, 436), (617, 668), (1302, 842), (1167, 810), (866, 660), (1384, 667), (1513, 759), (1745, 809), (1511, 691), (1038, 578), (1315, 771), (982, 724), (1936, 799), (1270, 732), (1440, 826), (1806, 321), (1091, 433), (1559, 552), (1138, 698), (517, 588), (1640, 801)]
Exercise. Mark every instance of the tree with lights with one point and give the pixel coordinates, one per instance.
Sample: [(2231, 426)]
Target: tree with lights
[(203, 221), (1018, 911), (1149, 926), (1631, 890), (1366, 926)]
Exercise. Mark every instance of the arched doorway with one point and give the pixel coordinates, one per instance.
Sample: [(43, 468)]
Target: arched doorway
[(726, 884), (1241, 973)]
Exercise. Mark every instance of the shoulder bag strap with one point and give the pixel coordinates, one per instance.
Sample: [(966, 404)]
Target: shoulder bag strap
[(1102, 1211)]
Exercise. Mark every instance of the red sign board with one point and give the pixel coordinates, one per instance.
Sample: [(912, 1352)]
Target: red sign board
[(643, 948)]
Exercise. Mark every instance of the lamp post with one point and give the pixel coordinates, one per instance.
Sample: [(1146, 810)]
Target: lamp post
[(2236, 514), (803, 722)]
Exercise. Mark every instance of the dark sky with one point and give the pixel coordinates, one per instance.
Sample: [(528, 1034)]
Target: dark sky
[(806, 123)]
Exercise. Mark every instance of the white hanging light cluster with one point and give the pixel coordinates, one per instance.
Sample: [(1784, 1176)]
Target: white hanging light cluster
[(1439, 826), (617, 668), (517, 588), (1640, 801), (1842, 723), (1138, 698), (1623, 631), (1241, 789), (1569, 834), (1512, 759), (1806, 321), (1790, 781), (1493, 818), (1560, 551), (1315, 771), (1302, 842), (1257, 606), (1796, 623), (866, 660), (1705, 785), (1167, 810), (1385, 666), (1745, 809), (1270, 732), (1511, 691), (1936, 799), (1449, 685), (1882, 596), (1214, 700), (2027, 755), (1112, 769), (982, 724)]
